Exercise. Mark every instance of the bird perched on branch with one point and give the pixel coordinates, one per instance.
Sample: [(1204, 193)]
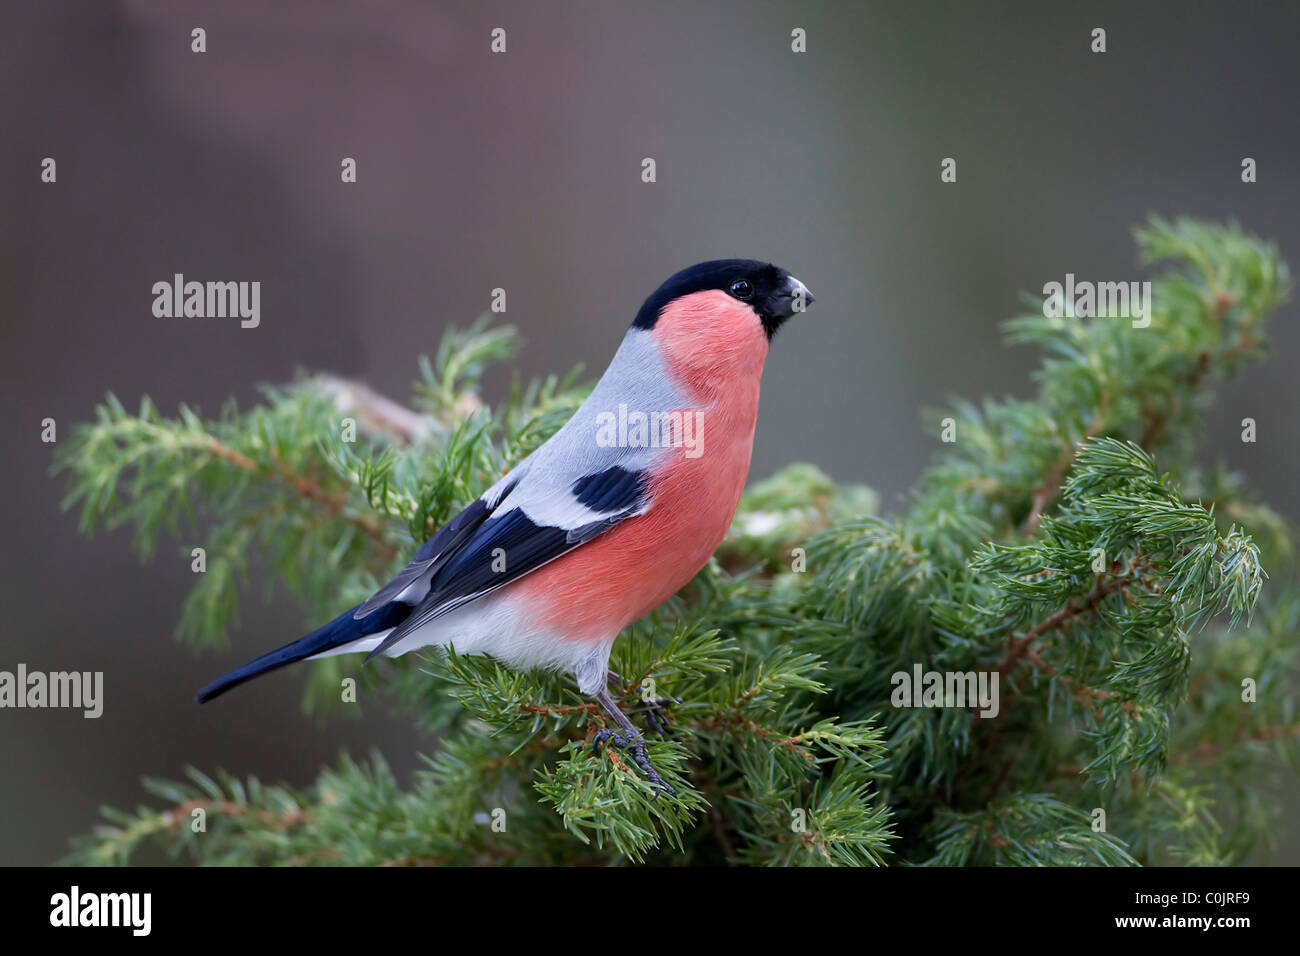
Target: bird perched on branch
[(604, 521)]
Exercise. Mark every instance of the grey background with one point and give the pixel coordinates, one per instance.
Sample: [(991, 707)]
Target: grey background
[(522, 171)]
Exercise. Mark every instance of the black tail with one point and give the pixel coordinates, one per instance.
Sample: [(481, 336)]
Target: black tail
[(344, 629)]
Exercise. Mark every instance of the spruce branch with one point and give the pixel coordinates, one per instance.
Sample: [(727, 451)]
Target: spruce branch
[(1143, 669)]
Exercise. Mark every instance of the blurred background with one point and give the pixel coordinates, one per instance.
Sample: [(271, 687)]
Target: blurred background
[(522, 171)]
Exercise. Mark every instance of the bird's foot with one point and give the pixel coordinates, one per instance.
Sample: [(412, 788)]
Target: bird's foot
[(656, 712), (634, 743), (655, 708)]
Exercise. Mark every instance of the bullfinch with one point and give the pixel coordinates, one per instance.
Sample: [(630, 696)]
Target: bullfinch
[(604, 521)]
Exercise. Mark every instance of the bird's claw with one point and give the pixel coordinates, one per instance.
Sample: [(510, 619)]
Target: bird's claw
[(636, 745), (655, 709)]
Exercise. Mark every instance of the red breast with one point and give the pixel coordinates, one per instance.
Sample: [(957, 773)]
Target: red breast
[(714, 348)]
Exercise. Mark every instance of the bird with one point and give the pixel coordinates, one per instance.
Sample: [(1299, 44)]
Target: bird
[(604, 521)]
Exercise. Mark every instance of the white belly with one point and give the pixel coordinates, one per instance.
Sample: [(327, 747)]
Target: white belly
[(491, 625)]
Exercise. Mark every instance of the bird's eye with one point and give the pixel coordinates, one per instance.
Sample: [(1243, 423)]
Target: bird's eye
[(742, 289)]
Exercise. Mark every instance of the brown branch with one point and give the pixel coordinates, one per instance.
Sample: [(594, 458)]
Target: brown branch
[(1022, 649), (1052, 483), (1082, 692), (377, 414), (559, 710), (1157, 420), (985, 747), (1208, 750), (307, 487), (1018, 648), (719, 825), (176, 816), (734, 723), (539, 745)]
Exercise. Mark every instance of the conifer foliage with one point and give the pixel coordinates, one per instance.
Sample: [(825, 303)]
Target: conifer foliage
[(1066, 546)]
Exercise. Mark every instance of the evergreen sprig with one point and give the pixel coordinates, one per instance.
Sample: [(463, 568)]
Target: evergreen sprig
[(1065, 544)]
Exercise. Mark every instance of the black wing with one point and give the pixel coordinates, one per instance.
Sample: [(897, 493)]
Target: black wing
[(432, 555), (510, 544)]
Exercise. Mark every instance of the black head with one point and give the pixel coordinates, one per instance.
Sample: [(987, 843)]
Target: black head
[(770, 291)]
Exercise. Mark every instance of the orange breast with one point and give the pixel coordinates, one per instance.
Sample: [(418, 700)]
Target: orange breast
[(594, 591), (714, 348)]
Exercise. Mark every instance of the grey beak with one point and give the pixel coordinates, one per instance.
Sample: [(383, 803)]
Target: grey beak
[(794, 297), (800, 292)]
